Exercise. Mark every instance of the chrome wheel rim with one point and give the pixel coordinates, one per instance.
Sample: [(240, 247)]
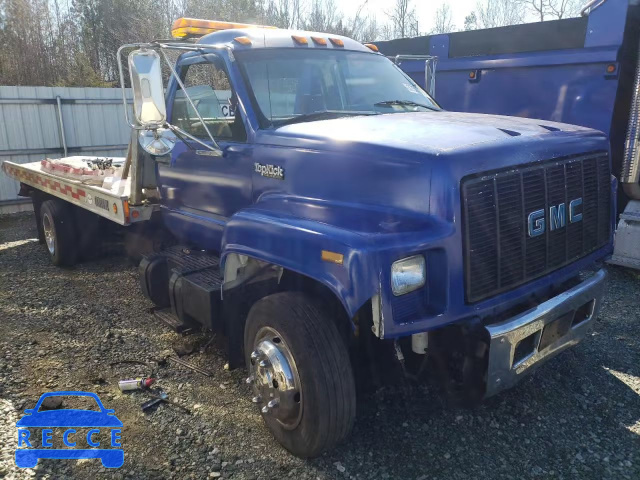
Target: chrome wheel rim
[(274, 376), (49, 234)]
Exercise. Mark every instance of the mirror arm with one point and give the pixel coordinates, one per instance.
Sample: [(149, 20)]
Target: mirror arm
[(178, 131), (173, 72)]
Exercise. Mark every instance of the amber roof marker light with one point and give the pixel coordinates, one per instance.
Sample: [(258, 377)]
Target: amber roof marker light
[(243, 40), (300, 40)]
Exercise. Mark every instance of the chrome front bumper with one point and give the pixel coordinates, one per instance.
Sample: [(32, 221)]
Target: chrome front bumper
[(521, 343)]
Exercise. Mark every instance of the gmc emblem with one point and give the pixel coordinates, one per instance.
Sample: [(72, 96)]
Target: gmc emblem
[(557, 217)]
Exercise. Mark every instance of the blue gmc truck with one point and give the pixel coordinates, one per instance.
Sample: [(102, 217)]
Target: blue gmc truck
[(335, 223)]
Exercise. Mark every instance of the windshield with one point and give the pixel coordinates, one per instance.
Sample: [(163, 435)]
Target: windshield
[(303, 85)]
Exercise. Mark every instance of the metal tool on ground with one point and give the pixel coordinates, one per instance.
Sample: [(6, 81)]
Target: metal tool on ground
[(156, 400), (135, 384), (163, 397), (192, 367)]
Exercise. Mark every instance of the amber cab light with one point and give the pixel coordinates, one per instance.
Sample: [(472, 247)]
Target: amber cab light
[(196, 27)]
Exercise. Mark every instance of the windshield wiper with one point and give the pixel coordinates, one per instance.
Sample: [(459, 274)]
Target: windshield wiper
[(404, 103), (319, 115)]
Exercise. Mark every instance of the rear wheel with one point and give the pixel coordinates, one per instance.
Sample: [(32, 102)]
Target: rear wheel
[(301, 373), (59, 232)]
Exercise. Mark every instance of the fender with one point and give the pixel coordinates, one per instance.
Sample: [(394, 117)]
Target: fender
[(291, 232), (270, 233)]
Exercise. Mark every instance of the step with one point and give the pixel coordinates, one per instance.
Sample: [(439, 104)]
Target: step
[(187, 260), (186, 287), (169, 318)]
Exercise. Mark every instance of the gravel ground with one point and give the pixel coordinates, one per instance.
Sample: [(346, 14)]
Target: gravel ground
[(578, 417)]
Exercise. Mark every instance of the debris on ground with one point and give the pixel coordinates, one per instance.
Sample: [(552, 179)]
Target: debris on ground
[(154, 401), (51, 403), (135, 384), (185, 346), (192, 367)]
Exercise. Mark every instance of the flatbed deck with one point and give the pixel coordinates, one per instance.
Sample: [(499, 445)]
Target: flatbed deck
[(101, 201)]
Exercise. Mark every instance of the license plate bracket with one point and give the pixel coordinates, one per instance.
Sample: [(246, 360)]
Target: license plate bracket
[(555, 330)]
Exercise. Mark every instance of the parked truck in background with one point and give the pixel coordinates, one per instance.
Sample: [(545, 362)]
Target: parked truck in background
[(340, 223), (583, 71)]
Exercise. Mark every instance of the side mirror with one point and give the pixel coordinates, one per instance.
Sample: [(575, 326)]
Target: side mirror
[(155, 135), (148, 91), (157, 142)]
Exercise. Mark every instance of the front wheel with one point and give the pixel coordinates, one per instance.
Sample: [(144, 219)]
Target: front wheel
[(301, 373)]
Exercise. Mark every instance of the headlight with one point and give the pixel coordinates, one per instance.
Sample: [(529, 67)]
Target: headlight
[(408, 275)]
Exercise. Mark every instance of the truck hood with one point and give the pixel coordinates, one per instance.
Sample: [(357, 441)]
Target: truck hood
[(424, 132), (408, 162)]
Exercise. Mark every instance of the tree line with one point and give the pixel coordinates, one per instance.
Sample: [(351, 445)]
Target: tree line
[(74, 42)]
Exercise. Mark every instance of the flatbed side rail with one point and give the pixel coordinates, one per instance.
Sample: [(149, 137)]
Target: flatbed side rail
[(89, 197)]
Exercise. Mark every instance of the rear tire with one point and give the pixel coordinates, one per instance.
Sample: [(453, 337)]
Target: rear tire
[(59, 231), (322, 383)]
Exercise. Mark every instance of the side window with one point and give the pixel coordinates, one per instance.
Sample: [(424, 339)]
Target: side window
[(207, 84)]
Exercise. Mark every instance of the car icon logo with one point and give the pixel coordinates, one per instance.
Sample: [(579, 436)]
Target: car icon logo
[(84, 433)]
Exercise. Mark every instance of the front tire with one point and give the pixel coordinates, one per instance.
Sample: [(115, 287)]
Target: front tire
[(59, 232), (301, 373)]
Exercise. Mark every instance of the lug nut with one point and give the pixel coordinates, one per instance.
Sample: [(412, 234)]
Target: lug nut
[(257, 399), (265, 409), (255, 355), (250, 379), (263, 363), (273, 403)]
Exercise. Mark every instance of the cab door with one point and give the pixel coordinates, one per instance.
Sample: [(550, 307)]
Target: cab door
[(201, 190)]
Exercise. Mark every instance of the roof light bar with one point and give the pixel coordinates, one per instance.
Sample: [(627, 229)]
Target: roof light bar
[(195, 27)]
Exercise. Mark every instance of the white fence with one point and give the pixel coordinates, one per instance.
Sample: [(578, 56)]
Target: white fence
[(39, 122)]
